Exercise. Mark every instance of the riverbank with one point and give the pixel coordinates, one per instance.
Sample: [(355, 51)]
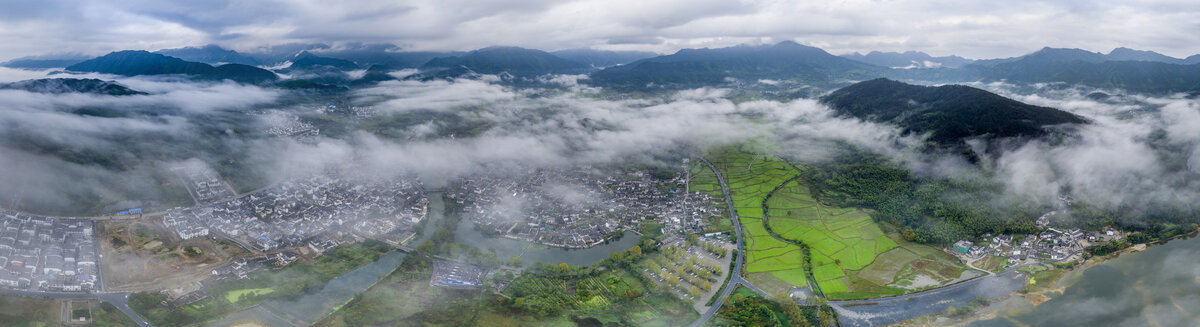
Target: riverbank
[(1119, 272)]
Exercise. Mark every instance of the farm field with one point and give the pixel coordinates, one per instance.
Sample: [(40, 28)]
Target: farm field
[(851, 255), (751, 178)]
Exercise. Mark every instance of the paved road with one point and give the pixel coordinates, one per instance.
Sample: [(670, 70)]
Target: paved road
[(736, 278), (117, 299)]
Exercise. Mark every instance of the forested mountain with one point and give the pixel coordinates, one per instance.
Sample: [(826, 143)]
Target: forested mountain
[(707, 67), (1137, 76), (209, 54), (950, 113), (496, 60), (136, 62), (43, 62), (71, 85), (602, 58), (1127, 54), (908, 59)]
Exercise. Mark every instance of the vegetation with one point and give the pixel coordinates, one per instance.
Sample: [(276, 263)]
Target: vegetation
[(285, 283), (544, 295), (708, 67), (135, 62), (930, 211), (27, 312), (950, 113), (496, 60), (975, 304), (745, 308)]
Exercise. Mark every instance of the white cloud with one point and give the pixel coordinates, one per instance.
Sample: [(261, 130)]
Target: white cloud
[(977, 29)]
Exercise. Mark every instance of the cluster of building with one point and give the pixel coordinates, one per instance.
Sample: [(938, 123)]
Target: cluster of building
[(1050, 244), (456, 275), (203, 183), (289, 125), (352, 112), (292, 212), (578, 206), (47, 254)]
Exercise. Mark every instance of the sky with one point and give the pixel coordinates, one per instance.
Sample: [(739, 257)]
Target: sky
[(970, 28)]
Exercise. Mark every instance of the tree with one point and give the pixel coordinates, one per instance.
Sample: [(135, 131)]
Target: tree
[(635, 252), (514, 260), (694, 292), (792, 310), (707, 285), (617, 256), (564, 268), (952, 311)]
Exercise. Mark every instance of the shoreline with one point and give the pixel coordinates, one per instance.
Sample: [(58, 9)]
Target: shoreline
[(1035, 299)]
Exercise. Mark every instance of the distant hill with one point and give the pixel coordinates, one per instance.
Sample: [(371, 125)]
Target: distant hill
[(516, 61), (602, 58), (706, 67), (364, 55), (307, 60), (209, 54), (42, 63), (136, 62), (908, 60), (950, 113), (1138, 76), (1048, 54), (1127, 54), (322, 70), (71, 85)]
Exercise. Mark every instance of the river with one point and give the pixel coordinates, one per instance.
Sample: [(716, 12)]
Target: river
[(310, 308), (466, 233), (1159, 286)]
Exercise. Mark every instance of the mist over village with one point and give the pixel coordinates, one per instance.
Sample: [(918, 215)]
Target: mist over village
[(290, 163)]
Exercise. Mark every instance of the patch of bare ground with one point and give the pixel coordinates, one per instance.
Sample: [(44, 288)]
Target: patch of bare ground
[(142, 254)]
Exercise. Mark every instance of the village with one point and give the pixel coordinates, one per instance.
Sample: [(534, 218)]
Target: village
[(47, 254), (579, 206), (314, 210), (1050, 245)]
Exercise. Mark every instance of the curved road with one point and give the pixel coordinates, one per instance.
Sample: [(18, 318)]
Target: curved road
[(736, 279)]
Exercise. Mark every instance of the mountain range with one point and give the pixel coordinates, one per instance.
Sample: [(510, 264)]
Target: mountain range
[(210, 54), (516, 61), (787, 62), (908, 60), (705, 67), (137, 62)]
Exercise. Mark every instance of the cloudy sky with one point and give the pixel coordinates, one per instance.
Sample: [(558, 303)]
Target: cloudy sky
[(975, 29)]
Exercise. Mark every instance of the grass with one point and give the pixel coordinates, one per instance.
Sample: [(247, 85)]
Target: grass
[(235, 295), (794, 277)]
